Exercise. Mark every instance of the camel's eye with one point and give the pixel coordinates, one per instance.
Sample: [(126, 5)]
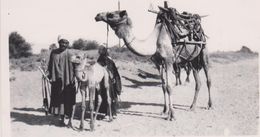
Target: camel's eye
[(110, 15)]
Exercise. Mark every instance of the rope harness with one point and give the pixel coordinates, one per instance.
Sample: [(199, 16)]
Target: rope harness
[(107, 35)]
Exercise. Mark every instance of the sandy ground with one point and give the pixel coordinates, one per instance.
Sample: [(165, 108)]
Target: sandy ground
[(235, 101)]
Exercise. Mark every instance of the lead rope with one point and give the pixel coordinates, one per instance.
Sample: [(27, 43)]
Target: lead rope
[(107, 35)]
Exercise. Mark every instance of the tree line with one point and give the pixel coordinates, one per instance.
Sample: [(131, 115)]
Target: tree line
[(19, 47)]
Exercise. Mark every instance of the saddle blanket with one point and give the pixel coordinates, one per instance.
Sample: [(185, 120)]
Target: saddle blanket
[(188, 51)]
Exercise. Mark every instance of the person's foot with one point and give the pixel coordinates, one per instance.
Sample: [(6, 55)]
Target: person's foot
[(114, 117), (62, 123), (106, 117), (71, 126)]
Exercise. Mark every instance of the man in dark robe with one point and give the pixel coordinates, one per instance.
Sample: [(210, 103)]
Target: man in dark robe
[(61, 75), (115, 87)]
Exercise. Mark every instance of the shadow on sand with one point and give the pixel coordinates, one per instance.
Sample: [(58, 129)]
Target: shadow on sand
[(22, 115), (34, 119), (145, 75), (124, 106), (26, 115), (139, 84)]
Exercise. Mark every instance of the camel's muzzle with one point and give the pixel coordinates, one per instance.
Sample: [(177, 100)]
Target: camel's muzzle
[(98, 18)]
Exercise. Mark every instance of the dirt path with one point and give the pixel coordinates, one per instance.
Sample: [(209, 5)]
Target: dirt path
[(234, 91)]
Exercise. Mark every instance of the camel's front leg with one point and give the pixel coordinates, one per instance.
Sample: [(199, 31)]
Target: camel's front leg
[(83, 91), (70, 123), (169, 89), (165, 96), (91, 106)]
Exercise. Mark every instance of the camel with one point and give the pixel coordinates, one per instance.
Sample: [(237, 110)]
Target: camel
[(90, 74), (159, 42)]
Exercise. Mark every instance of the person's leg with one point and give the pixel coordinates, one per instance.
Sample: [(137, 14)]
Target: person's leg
[(114, 99), (69, 100), (55, 98), (62, 116)]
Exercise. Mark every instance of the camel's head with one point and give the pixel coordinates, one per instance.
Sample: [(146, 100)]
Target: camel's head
[(78, 60), (82, 63), (117, 20), (81, 60), (112, 18)]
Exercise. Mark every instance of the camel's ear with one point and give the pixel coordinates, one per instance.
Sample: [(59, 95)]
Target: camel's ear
[(123, 13)]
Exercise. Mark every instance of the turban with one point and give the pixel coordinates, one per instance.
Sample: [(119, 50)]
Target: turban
[(62, 39)]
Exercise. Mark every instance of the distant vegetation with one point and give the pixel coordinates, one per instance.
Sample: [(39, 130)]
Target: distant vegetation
[(18, 47), (22, 58), (82, 44)]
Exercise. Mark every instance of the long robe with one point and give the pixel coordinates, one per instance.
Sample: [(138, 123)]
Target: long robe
[(63, 89)]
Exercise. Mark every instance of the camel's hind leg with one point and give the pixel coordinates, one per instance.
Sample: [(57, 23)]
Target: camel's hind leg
[(207, 74), (109, 105), (99, 101), (206, 70), (177, 72), (197, 88), (188, 70), (106, 84)]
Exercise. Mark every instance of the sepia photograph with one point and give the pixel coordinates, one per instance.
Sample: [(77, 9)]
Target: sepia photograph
[(112, 68)]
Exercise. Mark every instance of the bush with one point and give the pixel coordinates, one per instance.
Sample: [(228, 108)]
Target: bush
[(82, 44), (18, 47)]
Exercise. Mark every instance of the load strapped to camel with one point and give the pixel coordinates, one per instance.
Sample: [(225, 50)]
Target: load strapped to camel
[(187, 35), (183, 27)]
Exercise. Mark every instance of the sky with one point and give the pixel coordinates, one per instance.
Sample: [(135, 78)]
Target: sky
[(230, 24)]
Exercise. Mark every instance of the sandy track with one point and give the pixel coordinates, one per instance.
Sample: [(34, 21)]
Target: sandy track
[(234, 91)]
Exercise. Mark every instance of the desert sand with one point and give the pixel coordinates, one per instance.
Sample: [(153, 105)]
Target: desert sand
[(235, 97)]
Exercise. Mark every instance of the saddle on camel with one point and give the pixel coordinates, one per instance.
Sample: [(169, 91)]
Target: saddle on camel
[(184, 28)]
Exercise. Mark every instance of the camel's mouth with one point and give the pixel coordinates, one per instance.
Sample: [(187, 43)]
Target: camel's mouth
[(75, 59), (98, 18)]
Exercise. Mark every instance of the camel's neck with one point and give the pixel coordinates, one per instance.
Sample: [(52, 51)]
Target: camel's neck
[(145, 47)]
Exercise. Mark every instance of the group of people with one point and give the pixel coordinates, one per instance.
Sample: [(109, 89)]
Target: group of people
[(63, 82)]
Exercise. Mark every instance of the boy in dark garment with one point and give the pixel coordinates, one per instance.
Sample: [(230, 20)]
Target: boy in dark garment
[(114, 82)]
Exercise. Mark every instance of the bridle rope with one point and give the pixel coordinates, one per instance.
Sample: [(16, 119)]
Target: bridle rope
[(107, 35)]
